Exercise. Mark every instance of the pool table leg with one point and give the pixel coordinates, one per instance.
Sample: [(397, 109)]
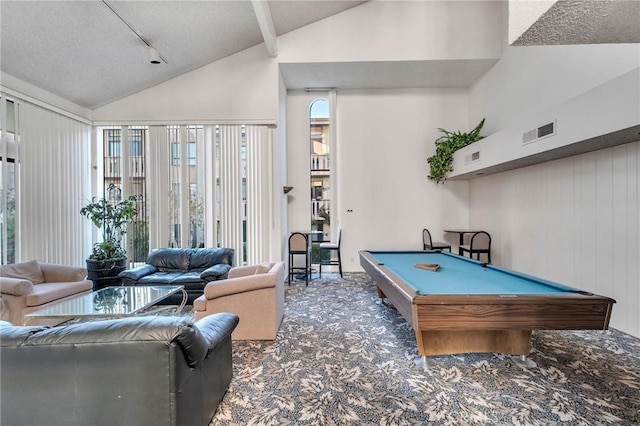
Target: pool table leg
[(447, 342), (424, 362), (523, 361)]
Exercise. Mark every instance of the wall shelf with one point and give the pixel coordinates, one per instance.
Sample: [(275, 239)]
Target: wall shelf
[(603, 117)]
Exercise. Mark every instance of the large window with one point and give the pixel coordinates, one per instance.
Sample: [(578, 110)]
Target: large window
[(199, 186), (8, 180), (124, 175), (186, 205), (8, 210), (320, 170)]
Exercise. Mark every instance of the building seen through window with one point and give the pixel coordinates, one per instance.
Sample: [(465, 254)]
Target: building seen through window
[(320, 168), (137, 237)]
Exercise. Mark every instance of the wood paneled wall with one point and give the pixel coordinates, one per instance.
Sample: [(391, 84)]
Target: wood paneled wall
[(574, 221)]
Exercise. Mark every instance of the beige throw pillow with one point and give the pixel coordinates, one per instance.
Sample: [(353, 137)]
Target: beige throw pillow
[(27, 271), (263, 269)]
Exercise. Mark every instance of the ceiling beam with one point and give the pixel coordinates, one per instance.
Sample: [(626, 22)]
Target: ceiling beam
[(263, 14)]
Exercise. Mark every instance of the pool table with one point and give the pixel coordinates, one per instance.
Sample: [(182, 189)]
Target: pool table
[(469, 306)]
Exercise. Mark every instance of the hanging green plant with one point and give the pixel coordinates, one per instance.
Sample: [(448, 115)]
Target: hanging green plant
[(441, 163)]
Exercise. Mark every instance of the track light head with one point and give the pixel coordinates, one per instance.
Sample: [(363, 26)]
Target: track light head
[(154, 56)]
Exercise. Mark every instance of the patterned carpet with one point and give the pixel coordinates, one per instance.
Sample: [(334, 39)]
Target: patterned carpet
[(341, 357)]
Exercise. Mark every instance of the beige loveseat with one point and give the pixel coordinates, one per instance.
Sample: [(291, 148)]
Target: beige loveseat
[(254, 293), (33, 285)]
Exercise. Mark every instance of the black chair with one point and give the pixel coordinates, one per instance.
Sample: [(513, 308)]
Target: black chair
[(480, 243), (428, 244), (299, 245), (329, 248)]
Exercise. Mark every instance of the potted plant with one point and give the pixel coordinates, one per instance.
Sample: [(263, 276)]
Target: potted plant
[(108, 257), (441, 163)]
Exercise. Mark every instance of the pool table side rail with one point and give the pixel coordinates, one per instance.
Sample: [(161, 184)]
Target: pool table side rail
[(539, 281), (390, 286), (521, 313)]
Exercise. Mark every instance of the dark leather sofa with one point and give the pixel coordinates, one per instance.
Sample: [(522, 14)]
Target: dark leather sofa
[(192, 268), (134, 371)]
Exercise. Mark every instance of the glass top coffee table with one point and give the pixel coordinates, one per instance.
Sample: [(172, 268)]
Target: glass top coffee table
[(110, 302)]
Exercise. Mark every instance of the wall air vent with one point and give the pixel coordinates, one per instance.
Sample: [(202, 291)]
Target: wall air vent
[(475, 156), (541, 132)]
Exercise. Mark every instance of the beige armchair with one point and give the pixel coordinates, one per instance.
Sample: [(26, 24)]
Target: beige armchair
[(28, 286), (254, 293)]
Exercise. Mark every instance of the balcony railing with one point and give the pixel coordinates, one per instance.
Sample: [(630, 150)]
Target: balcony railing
[(112, 167)]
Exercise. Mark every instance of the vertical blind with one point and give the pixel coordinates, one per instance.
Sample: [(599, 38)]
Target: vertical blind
[(231, 174), (55, 182), (158, 177), (221, 172), (258, 193)]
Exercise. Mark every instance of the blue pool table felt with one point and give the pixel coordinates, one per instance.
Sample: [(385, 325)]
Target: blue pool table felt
[(459, 275)]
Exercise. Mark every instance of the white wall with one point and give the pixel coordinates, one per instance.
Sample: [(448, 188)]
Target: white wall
[(298, 159), (573, 220), (529, 80), (400, 30), (241, 88), (384, 139), (279, 236)]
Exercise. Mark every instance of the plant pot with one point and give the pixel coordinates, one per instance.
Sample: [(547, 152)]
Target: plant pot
[(104, 273)]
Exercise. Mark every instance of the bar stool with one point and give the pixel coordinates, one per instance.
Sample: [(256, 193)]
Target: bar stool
[(299, 246), (330, 248)]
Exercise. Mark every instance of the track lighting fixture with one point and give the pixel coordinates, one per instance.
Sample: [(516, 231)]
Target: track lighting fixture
[(154, 56)]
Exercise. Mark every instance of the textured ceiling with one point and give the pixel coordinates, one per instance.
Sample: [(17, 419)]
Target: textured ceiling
[(585, 22), (81, 51)]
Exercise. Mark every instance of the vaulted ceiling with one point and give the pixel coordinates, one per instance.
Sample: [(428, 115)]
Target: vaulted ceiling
[(83, 52)]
